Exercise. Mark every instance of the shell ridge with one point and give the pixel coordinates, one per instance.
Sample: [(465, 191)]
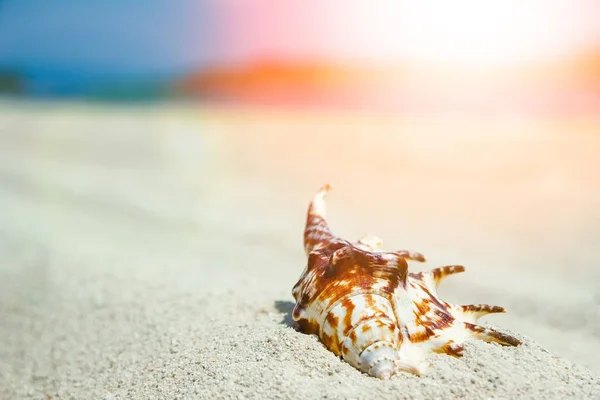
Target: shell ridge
[(380, 314), (339, 301), (379, 359), (380, 265), (381, 274), (363, 321), (473, 312), (491, 335)]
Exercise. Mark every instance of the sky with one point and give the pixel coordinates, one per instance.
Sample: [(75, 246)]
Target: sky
[(92, 39), (104, 38)]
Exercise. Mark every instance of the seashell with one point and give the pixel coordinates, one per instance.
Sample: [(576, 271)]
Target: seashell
[(368, 309)]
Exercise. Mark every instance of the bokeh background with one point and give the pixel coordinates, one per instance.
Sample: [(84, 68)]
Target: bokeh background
[(398, 56), (156, 149)]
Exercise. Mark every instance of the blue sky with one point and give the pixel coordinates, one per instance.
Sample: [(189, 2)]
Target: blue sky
[(73, 42), (87, 39)]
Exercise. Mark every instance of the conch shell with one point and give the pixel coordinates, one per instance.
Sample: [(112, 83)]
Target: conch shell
[(367, 308)]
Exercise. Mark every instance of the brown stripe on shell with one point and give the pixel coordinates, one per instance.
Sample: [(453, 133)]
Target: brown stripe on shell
[(333, 320), (351, 270), (365, 282), (451, 348), (369, 300), (402, 265), (482, 308), (437, 313), (435, 301), (382, 321), (421, 336), (441, 319), (316, 232), (330, 342), (412, 255), (349, 307), (442, 272), (423, 308), (353, 336)]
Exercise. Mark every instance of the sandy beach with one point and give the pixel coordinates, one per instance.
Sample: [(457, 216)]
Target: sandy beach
[(149, 251)]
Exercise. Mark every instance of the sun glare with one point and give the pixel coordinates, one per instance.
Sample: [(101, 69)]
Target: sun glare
[(474, 33), (469, 33)]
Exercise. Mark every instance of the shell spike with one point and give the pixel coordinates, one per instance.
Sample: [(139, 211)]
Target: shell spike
[(491, 335), (317, 206), (316, 232), (433, 278), (412, 255), (440, 273), (472, 312)]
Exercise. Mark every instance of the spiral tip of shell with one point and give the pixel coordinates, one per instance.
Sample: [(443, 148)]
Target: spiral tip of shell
[(326, 188), (318, 204)]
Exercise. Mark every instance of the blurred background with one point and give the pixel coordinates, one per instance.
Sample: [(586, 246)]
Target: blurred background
[(176, 143), (539, 57)]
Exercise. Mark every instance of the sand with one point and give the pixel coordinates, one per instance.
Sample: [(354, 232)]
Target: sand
[(149, 251)]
